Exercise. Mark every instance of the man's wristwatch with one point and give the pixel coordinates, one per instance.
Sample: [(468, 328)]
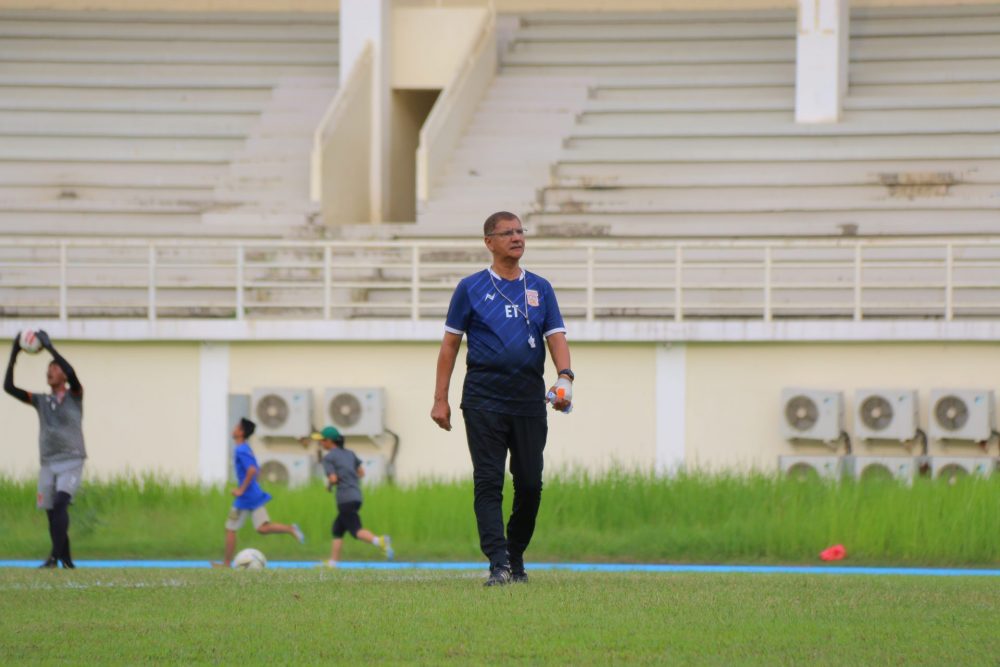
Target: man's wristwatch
[(568, 373)]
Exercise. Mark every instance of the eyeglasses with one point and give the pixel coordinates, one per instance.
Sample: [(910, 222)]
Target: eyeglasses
[(510, 232)]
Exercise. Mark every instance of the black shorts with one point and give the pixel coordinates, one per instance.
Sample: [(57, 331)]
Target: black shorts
[(348, 520)]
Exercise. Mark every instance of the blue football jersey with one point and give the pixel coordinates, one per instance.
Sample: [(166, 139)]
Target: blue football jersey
[(505, 323)]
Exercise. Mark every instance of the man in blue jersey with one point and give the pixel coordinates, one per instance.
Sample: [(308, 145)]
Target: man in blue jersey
[(508, 314), (250, 498)]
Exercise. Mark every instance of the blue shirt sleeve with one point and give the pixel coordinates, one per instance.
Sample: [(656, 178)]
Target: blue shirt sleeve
[(553, 317), (459, 311)]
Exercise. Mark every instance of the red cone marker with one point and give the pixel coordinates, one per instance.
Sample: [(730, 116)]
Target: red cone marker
[(836, 552)]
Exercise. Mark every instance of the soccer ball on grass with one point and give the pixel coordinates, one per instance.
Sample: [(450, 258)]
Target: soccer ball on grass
[(250, 559)]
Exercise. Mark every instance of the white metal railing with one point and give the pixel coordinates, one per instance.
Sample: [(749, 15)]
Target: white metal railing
[(944, 278)]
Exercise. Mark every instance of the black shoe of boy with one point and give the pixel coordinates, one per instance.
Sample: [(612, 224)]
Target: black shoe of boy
[(50, 564), (68, 563), (517, 573), (499, 575)]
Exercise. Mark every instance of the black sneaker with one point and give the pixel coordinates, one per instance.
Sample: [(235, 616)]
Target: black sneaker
[(50, 564), (68, 564), (517, 573), (499, 576)]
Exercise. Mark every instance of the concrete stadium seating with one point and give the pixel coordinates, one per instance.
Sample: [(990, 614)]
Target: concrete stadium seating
[(632, 127), (687, 129), (160, 124)]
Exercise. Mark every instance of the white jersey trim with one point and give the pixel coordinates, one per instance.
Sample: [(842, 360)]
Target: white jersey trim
[(554, 331), (457, 332)]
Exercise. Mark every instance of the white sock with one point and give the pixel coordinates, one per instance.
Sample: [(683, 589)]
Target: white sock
[(377, 541)]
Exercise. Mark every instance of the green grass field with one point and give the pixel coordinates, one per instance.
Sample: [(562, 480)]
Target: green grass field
[(357, 617), (618, 517)]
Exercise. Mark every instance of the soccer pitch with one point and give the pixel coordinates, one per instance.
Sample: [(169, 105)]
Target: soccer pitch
[(432, 617)]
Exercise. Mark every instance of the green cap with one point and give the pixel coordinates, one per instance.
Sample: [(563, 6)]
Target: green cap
[(330, 433)]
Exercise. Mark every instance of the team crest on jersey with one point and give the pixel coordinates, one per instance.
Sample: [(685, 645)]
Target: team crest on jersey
[(489, 297), (532, 297)]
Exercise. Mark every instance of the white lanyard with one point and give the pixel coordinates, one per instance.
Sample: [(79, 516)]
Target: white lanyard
[(527, 320)]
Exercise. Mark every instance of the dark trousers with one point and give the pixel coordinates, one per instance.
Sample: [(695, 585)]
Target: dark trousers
[(491, 435)]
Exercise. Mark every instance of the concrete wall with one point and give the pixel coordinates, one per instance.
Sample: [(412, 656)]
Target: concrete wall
[(430, 44), (142, 405), (615, 426), (141, 408), (733, 391), (409, 111)]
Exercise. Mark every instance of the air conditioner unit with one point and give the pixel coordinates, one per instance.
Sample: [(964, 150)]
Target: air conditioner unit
[(885, 414), (952, 467), (811, 467), (811, 414), (282, 412), (356, 410), (901, 468), (286, 469), (375, 466), (962, 414)]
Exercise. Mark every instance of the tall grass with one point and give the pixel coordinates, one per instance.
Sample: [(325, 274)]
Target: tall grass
[(620, 516)]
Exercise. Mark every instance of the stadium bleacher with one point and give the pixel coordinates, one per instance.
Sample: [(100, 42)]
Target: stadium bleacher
[(161, 124), (639, 131), (687, 128)]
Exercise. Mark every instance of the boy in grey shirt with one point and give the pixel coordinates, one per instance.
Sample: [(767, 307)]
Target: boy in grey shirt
[(343, 469), (60, 444)]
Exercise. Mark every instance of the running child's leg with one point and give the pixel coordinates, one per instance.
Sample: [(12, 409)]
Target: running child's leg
[(230, 547), (263, 524)]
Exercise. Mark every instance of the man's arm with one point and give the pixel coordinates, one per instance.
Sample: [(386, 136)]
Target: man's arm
[(559, 350), (74, 382), (251, 473), (441, 412), (8, 380)]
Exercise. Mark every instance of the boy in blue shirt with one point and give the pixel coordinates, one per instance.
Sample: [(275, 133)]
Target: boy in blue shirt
[(250, 498)]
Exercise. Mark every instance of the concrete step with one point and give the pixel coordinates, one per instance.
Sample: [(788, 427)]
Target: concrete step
[(782, 98), (103, 193), (693, 31), (89, 25), (164, 75), (676, 51), (175, 51), (622, 57), (128, 225), (783, 28), (650, 76), (109, 174), (938, 194), (782, 123), (787, 148), (679, 174), (722, 16), (114, 124), (711, 75), (775, 224), (124, 100), (124, 149)]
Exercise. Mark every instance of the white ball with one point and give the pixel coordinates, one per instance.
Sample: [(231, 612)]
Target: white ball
[(250, 559), (29, 342)]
